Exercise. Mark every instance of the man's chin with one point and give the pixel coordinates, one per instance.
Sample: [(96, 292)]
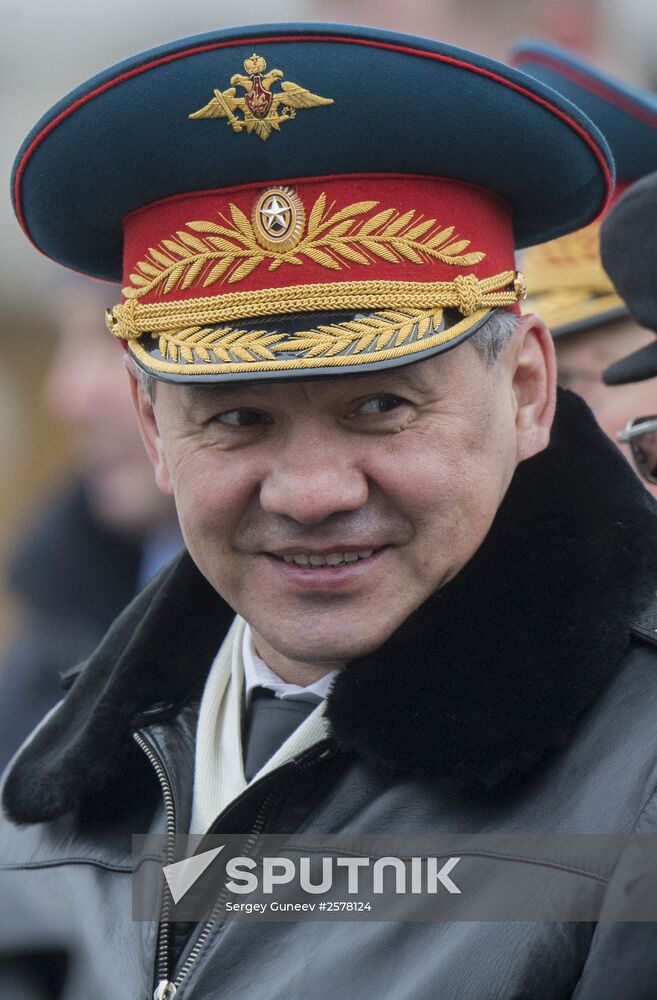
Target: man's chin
[(331, 649)]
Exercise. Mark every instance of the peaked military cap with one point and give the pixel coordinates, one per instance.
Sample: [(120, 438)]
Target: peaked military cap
[(629, 251), (566, 281), (298, 199)]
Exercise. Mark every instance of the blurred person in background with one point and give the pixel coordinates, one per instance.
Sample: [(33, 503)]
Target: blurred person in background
[(567, 284), (628, 248), (94, 544)]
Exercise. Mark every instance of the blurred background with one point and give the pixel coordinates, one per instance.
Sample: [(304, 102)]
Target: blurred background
[(47, 49)]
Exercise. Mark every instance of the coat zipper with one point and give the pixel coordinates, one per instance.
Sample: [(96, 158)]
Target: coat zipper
[(166, 989), (216, 909)]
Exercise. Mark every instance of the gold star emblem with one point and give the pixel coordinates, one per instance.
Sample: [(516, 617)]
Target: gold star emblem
[(275, 215), (278, 219)]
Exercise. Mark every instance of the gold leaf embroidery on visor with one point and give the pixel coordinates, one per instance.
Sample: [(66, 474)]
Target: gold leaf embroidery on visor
[(230, 249), (247, 350), (374, 333)]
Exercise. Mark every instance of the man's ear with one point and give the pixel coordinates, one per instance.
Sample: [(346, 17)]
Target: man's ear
[(534, 386), (150, 432)]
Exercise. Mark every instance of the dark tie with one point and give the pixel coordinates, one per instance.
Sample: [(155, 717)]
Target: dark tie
[(268, 723)]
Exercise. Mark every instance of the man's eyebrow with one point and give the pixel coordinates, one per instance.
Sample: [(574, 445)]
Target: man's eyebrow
[(408, 375), (213, 392)]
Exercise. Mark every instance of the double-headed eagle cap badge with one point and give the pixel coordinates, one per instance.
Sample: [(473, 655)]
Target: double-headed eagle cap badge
[(259, 106)]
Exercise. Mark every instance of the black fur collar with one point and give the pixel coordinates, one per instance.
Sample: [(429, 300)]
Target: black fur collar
[(496, 667), (476, 686)]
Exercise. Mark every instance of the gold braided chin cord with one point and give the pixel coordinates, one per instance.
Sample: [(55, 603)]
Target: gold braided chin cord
[(467, 293)]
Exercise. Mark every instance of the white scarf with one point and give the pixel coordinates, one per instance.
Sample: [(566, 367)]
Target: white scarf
[(218, 768)]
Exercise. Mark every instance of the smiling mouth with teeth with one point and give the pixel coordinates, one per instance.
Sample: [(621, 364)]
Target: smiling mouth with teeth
[(332, 559)]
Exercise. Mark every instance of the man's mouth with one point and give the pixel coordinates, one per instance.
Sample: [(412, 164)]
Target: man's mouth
[(312, 561)]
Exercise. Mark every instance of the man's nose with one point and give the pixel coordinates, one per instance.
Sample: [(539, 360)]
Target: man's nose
[(312, 482)]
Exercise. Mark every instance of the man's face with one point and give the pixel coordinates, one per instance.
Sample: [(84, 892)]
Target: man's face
[(326, 511)]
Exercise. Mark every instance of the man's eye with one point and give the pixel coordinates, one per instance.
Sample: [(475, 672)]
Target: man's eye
[(380, 404), (242, 418)]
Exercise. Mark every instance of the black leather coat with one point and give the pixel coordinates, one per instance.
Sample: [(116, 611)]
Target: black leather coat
[(539, 717)]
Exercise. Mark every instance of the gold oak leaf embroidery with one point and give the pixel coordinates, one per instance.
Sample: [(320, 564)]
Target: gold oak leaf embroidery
[(263, 110), (370, 334), (228, 249)]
